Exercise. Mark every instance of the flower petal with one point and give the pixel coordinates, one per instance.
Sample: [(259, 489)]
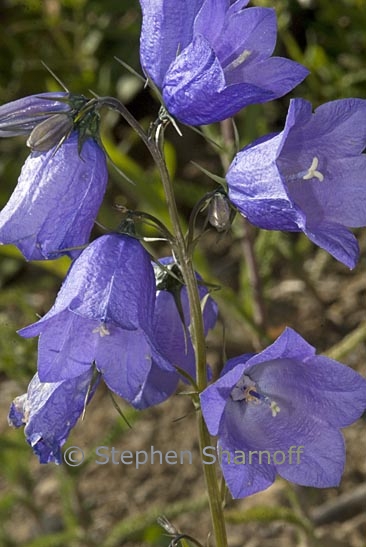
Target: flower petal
[(56, 200), (171, 335), (316, 385), (321, 462), (289, 345), (124, 359), (215, 397), (158, 386), (336, 129), (191, 81), (50, 411), (253, 30), (257, 189), (112, 280), (66, 346), (275, 77), (269, 439), (167, 28), (245, 479), (337, 240), (341, 196), (210, 19)]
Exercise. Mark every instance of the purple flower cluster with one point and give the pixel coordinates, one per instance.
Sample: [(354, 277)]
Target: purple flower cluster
[(123, 319), (108, 318)]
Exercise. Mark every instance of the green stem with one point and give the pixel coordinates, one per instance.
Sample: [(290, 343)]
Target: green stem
[(185, 260), (213, 490), (198, 340)]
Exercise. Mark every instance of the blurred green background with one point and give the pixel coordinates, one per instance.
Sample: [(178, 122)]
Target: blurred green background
[(79, 40)]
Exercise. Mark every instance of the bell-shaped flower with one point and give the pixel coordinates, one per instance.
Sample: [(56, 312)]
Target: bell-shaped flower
[(171, 333), (20, 117), (103, 314), (211, 58), (56, 200), (280, 412), (310, 177), (50, 410)]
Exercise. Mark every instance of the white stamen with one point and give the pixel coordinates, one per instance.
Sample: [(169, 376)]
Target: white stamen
[(275, 409), (102, 330), (312, 172)]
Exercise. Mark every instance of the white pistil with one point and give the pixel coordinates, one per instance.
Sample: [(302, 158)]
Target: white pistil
[(102, 330), (239, 60), (313, 172)]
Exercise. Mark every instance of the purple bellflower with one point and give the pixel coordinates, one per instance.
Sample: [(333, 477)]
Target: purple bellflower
[(310, 177), (172, 335), (20, 117), (103, 314), (50, 410), (281, 411), (56, 200), (211, 58)]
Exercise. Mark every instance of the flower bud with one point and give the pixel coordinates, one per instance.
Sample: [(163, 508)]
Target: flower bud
[(220, 214), (20, 117), (50, 132)]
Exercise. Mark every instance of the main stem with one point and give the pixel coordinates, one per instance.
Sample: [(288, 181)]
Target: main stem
[(198, 340)]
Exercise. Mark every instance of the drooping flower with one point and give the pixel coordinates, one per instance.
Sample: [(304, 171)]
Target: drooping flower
[(280, 412), (20, 117), (310, 177), (56, 200), (211, 58), (50, 410), (171, 333), (103, 314)]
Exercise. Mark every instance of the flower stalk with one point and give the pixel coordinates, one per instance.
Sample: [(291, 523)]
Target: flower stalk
[(198, 340)]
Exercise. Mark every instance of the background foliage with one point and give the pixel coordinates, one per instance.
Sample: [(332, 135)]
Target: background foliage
[(301, 285)]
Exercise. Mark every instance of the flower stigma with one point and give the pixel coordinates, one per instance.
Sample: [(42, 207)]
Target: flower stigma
[(102, 330), (313, 172)]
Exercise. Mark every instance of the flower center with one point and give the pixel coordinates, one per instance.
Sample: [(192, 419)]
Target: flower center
[(246, 390)]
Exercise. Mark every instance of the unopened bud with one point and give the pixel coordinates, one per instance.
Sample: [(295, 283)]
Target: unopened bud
[(50, 132), (220, 214), (20, 117)]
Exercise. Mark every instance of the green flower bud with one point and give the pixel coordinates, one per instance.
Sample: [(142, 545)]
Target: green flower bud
[(50, 132), (220, 214)]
